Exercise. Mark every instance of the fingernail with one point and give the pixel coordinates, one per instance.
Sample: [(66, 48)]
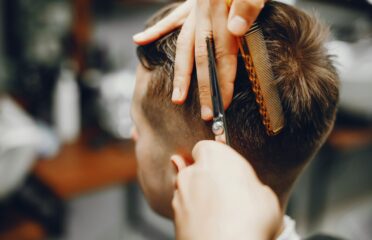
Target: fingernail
[(176, 95), (206, 112), (237, 25), (138, 36)]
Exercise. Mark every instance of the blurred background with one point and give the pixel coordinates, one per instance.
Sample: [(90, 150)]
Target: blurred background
[(67, 166)]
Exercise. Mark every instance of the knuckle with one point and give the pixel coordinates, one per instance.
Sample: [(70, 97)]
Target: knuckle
[(204, 146), (200, 58), (215, 2), (246, 5), (252, 4), (204, 92), (246, 2), (259, 4), (222, 53), (201, 54), (199, 147), (204, 152), (227, 88)]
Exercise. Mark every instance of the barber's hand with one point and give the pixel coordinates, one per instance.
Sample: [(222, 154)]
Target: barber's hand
[(220, 197), (200, 18)]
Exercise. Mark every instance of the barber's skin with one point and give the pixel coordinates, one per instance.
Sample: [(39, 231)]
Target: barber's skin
[(227, 190)]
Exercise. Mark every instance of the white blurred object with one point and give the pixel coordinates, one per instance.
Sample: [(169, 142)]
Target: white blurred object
[(290, 2), (116, 91), (19, 139), (66, 109), (354, 64), (49, 141)]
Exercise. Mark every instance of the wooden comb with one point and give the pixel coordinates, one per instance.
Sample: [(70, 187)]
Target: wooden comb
[(256, 58)]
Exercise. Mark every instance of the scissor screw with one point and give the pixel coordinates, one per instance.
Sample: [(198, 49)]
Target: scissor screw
[(217, 128)]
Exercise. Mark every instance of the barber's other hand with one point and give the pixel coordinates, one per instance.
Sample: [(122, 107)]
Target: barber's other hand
[(200, 18), (220, 197)]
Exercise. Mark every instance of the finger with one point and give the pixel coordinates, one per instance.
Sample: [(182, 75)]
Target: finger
[(184, 62), (242, 14), (203, 30), (209, 153), (226, 49), (205, 151), (175, 19)]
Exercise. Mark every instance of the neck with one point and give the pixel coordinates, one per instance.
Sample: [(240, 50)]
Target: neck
[(283, 198)]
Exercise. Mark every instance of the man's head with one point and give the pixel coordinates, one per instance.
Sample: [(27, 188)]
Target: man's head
[(307, 83)]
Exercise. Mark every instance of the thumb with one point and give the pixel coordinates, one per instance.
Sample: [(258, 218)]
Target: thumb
[(242, 14), (208, 153), (205, 150)]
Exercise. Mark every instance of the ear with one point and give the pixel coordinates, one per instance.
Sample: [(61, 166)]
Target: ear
[(180, 162)]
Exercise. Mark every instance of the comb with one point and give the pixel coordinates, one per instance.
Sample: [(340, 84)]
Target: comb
[(256, 58)]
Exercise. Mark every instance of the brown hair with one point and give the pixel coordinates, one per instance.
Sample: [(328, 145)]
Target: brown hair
[(307, 82)]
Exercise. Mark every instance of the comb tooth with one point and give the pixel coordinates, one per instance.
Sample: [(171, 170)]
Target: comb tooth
[(255, 54)]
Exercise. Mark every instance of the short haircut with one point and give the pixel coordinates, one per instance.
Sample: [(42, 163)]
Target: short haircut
[(307, 82)]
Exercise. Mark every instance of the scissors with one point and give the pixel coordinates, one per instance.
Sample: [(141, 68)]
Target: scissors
[(219, 126)]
